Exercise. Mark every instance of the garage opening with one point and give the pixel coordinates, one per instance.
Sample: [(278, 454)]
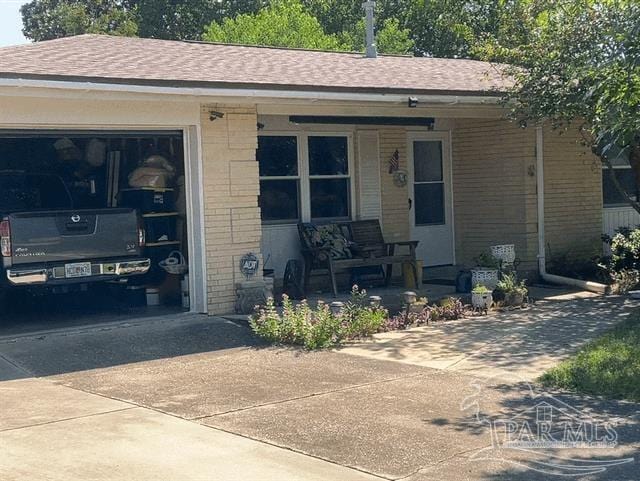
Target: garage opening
[(94, 227)]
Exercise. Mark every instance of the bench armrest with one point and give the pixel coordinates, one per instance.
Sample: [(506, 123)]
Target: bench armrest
[(404, 243), (391, 246)]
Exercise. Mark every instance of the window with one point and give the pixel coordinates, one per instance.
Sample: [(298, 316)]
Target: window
[(428, 182), (627, 178), (314, 186), (279, 178), (329, 183)]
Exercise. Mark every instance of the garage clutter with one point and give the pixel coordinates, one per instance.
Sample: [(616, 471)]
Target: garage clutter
[(139, 170)]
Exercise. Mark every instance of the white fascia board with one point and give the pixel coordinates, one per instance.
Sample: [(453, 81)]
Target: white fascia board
[(31, 87)]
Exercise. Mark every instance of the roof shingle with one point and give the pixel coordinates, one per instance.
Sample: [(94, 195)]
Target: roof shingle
[(150, 61)]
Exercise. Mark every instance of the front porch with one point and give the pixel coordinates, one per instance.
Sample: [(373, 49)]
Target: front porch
[(457, 185)]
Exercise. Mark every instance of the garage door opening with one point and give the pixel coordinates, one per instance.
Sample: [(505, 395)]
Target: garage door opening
[(94, 227)]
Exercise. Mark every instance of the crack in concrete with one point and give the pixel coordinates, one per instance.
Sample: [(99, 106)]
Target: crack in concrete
[(55, 421), (441, 461), (307, 396)]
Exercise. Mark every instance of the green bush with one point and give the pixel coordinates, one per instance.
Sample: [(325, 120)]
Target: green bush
[(624, 263), (300, 324)]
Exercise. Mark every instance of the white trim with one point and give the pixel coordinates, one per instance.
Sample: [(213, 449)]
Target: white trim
[(242, 92), (452, 193), (542, 261), (444, 137), (361, 134), (304, 178), (196, 238)]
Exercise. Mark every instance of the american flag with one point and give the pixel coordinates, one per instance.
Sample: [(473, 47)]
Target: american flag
[(394, 162)]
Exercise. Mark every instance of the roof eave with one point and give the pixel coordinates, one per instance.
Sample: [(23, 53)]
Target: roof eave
[(199, 88)]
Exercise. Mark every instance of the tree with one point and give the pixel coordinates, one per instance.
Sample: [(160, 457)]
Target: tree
[(48, 19), (582, 65), (170, 19), (187, 19), (284, 23), (288, 23), (390, 39)]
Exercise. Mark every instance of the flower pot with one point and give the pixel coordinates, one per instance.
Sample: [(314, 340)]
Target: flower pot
[(481, 300), (514, 299), (484, 276)]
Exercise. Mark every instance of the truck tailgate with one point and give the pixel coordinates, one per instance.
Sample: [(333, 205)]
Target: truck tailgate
[(62, 236)]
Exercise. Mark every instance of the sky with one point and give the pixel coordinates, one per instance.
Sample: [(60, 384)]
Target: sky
[(11, 22)]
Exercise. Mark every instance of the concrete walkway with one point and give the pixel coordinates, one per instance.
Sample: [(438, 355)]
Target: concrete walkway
[(199, 399), (52, 432), (522, 343)]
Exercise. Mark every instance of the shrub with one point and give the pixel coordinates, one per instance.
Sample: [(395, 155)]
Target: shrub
[(449, 309), (320, 327), (359, 318), (624, 263)]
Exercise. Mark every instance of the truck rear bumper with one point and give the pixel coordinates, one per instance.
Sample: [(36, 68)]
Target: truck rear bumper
[(100, 271)]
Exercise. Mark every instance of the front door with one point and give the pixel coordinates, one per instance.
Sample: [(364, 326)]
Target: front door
[(430, 197)]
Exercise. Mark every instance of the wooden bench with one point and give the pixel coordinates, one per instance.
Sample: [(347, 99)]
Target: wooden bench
[(345, 245)]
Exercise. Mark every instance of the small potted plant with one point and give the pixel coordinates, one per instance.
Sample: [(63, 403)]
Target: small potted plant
[(486, 271), (481, 297), (514, 291)]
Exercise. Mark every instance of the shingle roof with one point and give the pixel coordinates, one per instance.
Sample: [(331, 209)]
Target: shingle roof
[(161, 62)]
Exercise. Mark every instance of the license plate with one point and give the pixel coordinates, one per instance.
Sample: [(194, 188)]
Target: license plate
[(81, 269)]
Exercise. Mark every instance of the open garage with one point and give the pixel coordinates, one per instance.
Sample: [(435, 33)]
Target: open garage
[(94, 227)]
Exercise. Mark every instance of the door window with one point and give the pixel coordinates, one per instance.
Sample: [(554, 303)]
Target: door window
[(429, 191)]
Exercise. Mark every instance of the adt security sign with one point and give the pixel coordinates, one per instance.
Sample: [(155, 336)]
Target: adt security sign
[(249, 264)]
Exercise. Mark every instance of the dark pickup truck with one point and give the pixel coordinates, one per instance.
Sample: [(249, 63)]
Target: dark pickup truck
[(44, 241)]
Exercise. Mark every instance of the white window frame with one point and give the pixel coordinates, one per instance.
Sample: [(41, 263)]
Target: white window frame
[(605, 168), (285, 177), (304, 178)]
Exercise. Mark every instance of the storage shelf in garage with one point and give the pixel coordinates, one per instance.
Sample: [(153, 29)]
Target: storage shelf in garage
[(160, 214), (163, 243)]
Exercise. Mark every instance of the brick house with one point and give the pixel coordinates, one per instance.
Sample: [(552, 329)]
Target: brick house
[(277, 136)]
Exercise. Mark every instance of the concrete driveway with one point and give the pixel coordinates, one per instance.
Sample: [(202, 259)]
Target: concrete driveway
[(198, 399)]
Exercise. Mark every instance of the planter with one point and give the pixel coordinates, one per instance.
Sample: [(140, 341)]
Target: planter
[(505, 252), (484, 276), (513, 299), (481, 300)]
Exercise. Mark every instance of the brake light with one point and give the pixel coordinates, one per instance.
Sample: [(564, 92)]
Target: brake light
[(141, 237), (5, 238)]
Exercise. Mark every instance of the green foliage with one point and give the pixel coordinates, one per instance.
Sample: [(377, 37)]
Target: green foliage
[(582, 65), (48, 19), (359, 319), (390, 39), (480, 289), (284, 23), (608, 366), (485, 259), (318, 328), (624, 262), (509, 284), (169, 19)]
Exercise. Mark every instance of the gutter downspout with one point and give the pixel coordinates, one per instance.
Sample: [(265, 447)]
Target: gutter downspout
[(542, 258)]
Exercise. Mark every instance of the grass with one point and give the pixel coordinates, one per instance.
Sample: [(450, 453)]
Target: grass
[(608, 366)]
